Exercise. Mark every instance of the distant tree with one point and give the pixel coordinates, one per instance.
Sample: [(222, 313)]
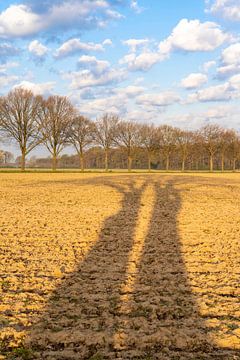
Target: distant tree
[(167, 139), (8, 157), (148, 138), (104, 134), (19, 112), (128, 137), (184, 141), (225, 142), (234, 149), (2, 157), (211, 135), (81, 136), (55, 122)]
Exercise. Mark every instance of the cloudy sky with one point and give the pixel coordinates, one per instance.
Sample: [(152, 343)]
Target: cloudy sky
[(175, 62)]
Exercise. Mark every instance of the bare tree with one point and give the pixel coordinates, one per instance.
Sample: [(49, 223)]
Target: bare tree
[(148, 137), (81, 136), (105, 130), (211, 135), (167, 138), (234, 149), (184, 140), (128, 137), (225, 142), (19, 112), (55, 121)]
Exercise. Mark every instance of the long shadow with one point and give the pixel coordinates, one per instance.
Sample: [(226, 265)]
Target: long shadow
[(80, 318), (163, 319), (162, 322)]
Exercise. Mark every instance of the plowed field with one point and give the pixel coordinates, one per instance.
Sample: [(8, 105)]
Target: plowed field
[(139, 266)]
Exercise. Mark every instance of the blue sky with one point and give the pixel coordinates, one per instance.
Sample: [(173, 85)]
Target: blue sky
[(175, 62)]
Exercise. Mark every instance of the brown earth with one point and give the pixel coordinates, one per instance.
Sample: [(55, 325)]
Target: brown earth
[(119, 266)]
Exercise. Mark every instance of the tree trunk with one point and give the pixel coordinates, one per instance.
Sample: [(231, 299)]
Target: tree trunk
[(222, 161), (106, 159), (81, 161), (211, 163), (54, 162), (23, 160), (149, 162), (129, 163), (167, 163), (183, 164), (234, 164)]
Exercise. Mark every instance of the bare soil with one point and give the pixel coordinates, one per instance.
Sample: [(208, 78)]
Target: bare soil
[(139, 266)]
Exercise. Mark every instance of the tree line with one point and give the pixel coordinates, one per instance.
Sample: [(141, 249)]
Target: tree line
[(55, 123)]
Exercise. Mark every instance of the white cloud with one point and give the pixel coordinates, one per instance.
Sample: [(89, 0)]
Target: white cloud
[(87, 78), (141, 62), (134, 44), (134, 5), (37, 49), (107, 42), (213, 93), (224, 115), (21, 20), (230, 61), (113, 104), (94, 65), (37, 89), (229, 9), (231, 55), (8, 65), (75, 46), (188, 35), (234, 82), (130, 91), (7, 80), (208, 65), (156, 100), (192, 35), (194, 80)]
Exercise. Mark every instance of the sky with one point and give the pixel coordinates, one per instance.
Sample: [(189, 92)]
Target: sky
[(155, 61)]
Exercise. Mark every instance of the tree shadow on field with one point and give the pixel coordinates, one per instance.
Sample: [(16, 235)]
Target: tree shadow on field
[(85, 317)]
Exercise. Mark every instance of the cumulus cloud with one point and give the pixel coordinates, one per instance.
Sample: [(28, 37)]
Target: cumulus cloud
[(134, 44), (28, 19), (93, 64), (158, 100), (7, 80), (225, 115), (187, 36), (107, 42), (141, 62), (192, 36), (194, 81), (37, 49), (208, 65), (37, 88), (87, 78), (221, 92), (230, 61), (75, 46), (229, 9), (93, 108), (234, 82), (8, 65), (130, 91)]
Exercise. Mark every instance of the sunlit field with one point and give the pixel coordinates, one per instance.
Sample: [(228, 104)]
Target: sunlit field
[(119, 266)]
